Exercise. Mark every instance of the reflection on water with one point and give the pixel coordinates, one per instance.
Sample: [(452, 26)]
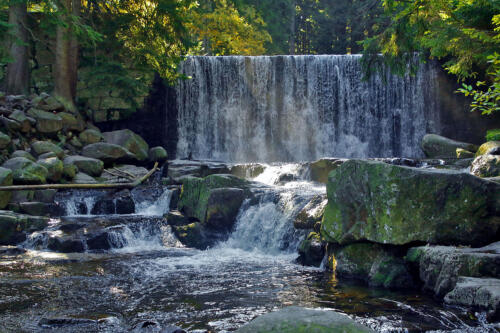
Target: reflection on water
[(218, 290)]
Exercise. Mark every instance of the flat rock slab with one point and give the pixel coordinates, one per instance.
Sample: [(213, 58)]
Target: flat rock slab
[(297, 319)]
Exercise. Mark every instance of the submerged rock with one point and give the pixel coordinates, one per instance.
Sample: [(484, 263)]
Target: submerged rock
[(388, 204), (375, 264), (436, 146), (440, 266), (297, 319)]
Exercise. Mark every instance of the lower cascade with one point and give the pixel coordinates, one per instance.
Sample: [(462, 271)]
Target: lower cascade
[(128, 260)]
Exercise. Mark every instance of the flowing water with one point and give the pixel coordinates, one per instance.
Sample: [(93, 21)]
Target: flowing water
[(148, 280), (301, 108)]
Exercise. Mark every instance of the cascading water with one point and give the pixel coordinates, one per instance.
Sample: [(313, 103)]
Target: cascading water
[(300, 108)]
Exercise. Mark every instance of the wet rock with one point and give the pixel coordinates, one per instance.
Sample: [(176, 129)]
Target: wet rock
[(321, 168), (90, 136), (311, 213), (6, 179), (196, 193), (100, 241), (436, 146), (103, 207), (374, 264), (285, 178), (124, 204), (4, 140), (83, 178), (23, 153), (157, 154), (489, 148), (462, 153), (46, 196), (88, 165), (176, 218), (311, 250), (54, 167), (26, 171), (388, 204), (66, 245), (193, 235), (130, 141), (14, 226), (486, 166), (477, 292), (222, 208), (46, 122), (249, 170), (22, 119), (41, 147), (174, 199), (106, 152), (297, 319), (35, 208), (440, 266)]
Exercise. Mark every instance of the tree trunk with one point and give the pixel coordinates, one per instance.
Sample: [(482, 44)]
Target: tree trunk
[(66, 64), (18, 76), (291, 41)]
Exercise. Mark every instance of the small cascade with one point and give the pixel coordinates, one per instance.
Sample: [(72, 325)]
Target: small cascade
[(158, 207)]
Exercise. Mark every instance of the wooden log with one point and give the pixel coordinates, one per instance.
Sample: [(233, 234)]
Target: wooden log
[(133, 184)]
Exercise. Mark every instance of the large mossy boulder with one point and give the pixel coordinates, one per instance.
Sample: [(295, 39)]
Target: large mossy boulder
[(196, 192), (222, 208), (486, 166), (90, 136), (6, 179), (42, 147), (13, 226), (107, 152), (440, 266), (322, 167), (296, 319), (490, 147), (26, 171), (374, 264), (4, 140), (46, 122), (436, 146), (88, 165), (389, 204), (54, 167), (130, 141)]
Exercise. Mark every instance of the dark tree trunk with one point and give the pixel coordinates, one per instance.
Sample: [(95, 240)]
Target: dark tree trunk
[(18, 76)]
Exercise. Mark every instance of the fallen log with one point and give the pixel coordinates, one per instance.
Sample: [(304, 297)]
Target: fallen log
[(81, 186)]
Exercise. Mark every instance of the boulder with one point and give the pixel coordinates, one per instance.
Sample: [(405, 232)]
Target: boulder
[(46, 122), (4, 140), (69, 171), (42, 147), (222, 208), (440, 266), (26, 171), (486, 166), (35, 208), (106, 152), (10, 125), (75, 142), (90, 136), (297, 319), (23, 153), (436, 146), (47, 155), (248, 170), (311, 213), (192, 235), (194, 199), (322, 167), (157, 154), (22, 119), (88, 165), (83, 178), (311, 250), (50, 103), (46, 196), (71, 122), (389, 204), (490, 147), (130, 141), (478, 293), (6, 178), (14, 226), (374, 264), (463, 154), (65, 244), (54, 167), (22, 196)]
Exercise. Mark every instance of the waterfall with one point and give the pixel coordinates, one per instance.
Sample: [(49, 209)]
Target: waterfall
[(300, 108)]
